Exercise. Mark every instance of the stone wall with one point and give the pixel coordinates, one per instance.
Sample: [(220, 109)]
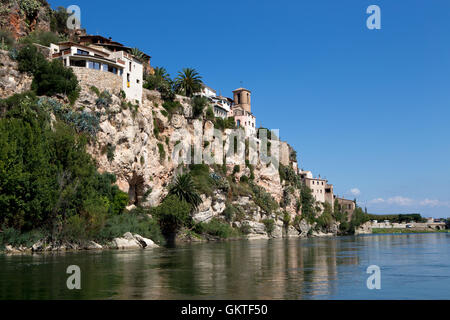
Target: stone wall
[(100, 79), (284, 154)]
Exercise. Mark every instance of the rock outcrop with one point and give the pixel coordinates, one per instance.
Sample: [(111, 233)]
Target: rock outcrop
[(11, 80), (130, 241)]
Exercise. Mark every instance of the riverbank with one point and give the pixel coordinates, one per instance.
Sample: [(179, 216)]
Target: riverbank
[(394, 230)]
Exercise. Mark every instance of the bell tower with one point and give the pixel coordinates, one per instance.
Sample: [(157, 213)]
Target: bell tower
[(242, 99)]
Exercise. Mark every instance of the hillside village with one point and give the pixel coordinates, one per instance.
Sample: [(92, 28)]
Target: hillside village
[(136, 130), (109, 65)]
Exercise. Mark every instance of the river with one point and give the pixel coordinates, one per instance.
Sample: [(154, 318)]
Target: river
[(413, 266)]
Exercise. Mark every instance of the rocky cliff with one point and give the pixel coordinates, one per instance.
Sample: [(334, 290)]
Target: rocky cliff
[(137, 144), (25, 16)]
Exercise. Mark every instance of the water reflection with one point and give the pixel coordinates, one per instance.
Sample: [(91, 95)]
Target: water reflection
[(275, 269)]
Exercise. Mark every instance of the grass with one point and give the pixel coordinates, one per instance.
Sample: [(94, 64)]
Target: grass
[(393, 230)]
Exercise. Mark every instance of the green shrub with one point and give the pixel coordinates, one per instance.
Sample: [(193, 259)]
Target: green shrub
[(222, 124), (134, 222), (286, 219), (95, 90), (229, 212), (172, 107), (82, 122), (6, 40), (269, 225), (49, 78), (173, 214), (210, 114), (44, 38), (263, 199), (245, 228), (15, 238), (58, 20), (30, 60), (30, 7), (198, 105), (216, 228), (162, 152), (244, 179), (46, 175), (104, 99)]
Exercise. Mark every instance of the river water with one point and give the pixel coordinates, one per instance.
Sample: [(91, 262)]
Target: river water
[(414, 266)]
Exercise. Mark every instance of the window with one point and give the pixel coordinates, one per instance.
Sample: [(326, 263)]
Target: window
[(104, 67), (137, 80), (238, 123), (130, 66), (78, 63), (82, 52), (94, 65)]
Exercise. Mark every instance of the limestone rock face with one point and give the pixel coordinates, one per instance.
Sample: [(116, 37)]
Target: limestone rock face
[(11, 80), (366, 228), (15, 20)]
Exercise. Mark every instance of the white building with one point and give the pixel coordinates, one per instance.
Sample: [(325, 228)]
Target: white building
[(222, 106), (207, 92), (101, 57)]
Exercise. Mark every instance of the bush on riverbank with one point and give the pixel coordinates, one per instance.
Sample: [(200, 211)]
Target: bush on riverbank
[(48, 181), (216, 228)]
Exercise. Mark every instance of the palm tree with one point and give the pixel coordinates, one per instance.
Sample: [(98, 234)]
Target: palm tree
[(188, 82), (137, 53), (184, 188), (161, 73)]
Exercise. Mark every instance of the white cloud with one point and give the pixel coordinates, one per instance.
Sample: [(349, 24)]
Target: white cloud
[(434, 203), (407, 202), (401, 201), (377, 200), (355, 191)]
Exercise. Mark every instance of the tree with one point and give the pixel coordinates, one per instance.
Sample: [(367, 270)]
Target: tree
[(161, 82), (46, 175), (188, 82), (185, 189), (58, 21), (138, 54), (49, 78), (198, 105), (172, 214), (307, 202)]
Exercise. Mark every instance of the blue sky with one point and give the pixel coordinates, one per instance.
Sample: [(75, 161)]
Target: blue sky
[(367, 109)]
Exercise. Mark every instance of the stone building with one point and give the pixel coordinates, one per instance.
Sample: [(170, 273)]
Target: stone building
[(242, 111), (347, 206), (112, 61), (321, 190)]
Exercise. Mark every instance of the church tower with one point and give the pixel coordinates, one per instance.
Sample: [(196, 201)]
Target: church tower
[(242, 99)]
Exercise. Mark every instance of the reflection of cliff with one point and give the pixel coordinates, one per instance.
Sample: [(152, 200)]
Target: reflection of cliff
[(285, 269)]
